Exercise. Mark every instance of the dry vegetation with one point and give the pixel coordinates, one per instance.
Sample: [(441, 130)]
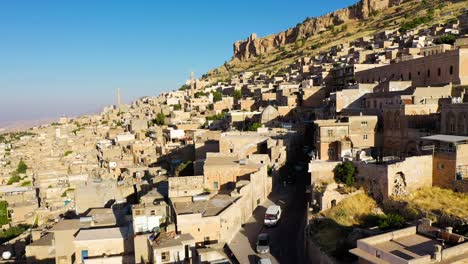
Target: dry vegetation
[(439, 202), (352, 211), (332, 231)]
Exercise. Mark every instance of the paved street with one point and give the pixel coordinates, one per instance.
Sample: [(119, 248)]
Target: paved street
[(286, 239)]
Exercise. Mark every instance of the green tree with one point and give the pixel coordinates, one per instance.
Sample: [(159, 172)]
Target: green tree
[(4, 213), (177, 107), (254, 126), (346, 173), (237, 95), (22, 167), (446, 39), (217, 96), (160, 119), (184, 87)]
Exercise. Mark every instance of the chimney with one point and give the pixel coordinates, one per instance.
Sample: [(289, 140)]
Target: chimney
[(437, 255)]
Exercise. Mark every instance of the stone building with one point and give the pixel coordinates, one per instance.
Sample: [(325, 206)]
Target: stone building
[(415, 244), (347, 137), (438, 69)]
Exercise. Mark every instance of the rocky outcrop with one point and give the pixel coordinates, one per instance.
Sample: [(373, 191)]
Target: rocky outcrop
[(253, 46)]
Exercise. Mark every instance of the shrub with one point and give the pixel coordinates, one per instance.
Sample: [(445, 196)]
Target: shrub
[(254, 126), (68, 152), (160, 119), (216, 117), (184, 169), (4, 213), (391, 221), (446, 39), (237, 95), (177, 107), (346, 173), (217, 96), (12, 232), (184, 87), (22, 167), (26, 183), (14, 178), (414, 23)]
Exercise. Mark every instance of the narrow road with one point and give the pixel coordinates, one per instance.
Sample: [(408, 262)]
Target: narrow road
[(287, 238)]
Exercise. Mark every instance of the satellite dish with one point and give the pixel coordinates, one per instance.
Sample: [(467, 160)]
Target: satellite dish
[(6, 255)]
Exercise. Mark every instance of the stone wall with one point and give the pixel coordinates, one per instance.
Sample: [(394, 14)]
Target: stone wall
[(398, 179), (185, 186)]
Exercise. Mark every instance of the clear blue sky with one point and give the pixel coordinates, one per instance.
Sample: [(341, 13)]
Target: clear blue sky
[(68, 57)]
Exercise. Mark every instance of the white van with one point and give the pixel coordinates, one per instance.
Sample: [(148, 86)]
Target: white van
[(272, 215)]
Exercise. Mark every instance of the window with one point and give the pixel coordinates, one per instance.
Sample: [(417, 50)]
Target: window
[(231, 150), (438, 72), (364, 137), (441, 166), (165, 256), (451, 70), (428, 73), (216, 185), (84, 254), (419, 73), (153, 212), (330, 133), (409, 76), (137, 212), (364, 123)]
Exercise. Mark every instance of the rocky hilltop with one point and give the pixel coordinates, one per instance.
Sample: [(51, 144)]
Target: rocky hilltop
[(253, 46)]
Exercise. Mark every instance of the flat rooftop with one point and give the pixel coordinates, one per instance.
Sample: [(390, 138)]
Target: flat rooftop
[(46, 240), (409, 247), (446, 138), (102, 216), (69, 224), (171, 239), (211, 207), (228, 161), (103, 233)]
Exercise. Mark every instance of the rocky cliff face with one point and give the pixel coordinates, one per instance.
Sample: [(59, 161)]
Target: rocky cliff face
[(253, 46)]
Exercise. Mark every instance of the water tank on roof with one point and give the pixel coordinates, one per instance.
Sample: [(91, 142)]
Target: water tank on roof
[(86, 219), (6, 255), (200, 198)]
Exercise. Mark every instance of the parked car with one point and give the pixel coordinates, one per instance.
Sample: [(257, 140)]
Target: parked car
[(272, 215), (264, 261), (263, 243)]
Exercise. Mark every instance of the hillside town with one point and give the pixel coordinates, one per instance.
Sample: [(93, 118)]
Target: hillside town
[(339, 158)]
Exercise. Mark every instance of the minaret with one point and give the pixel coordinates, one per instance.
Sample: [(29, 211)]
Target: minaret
[(118, 97), (192, 85)]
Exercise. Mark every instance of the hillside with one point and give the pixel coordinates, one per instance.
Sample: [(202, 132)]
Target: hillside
[(315, 35)]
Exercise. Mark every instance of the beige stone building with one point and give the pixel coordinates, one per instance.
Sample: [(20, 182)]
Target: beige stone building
[(348, 137), (415, 244), (111, 245), (442, 68)]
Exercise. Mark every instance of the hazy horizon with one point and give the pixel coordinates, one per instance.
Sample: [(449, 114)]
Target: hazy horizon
[(68, 58)]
